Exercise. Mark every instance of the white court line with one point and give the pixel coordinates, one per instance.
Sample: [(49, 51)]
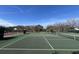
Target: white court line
[(47, 42), (21, 49), (62, 39), (40, 49)]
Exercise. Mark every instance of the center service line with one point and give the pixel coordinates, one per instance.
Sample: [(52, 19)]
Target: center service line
[(47, 42)]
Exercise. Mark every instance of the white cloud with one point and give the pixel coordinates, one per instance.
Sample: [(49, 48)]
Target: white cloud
[(5, 23)]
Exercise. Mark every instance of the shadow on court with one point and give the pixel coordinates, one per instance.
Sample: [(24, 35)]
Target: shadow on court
[(75, 52)]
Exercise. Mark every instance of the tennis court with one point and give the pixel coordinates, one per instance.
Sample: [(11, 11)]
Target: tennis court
[(39, 43)]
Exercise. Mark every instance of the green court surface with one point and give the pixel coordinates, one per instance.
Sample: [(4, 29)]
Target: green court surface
[(39, 43)]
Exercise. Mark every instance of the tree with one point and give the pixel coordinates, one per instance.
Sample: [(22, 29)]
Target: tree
[(38, 28), (32, 28), (72, 22), (9, 29), (64, 26), (50, 28)]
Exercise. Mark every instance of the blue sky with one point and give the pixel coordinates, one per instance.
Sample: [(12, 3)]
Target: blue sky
[(36, 14)]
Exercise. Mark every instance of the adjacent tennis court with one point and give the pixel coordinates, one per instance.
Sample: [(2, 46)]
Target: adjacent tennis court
[(40, 43)]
